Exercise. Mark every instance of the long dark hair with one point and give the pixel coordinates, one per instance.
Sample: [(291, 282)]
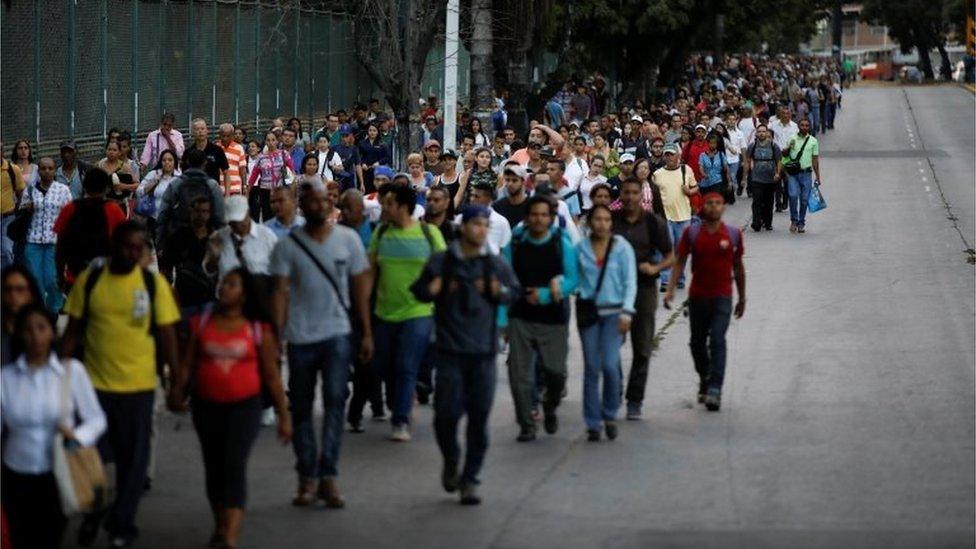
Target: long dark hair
[(30, 151), (255, 306), (176, 160), (17, 341), (15, 269)]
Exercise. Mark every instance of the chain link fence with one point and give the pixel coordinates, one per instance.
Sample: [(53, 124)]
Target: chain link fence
[(76, 68)]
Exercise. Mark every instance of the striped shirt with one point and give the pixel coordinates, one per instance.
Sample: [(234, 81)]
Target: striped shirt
[(401, 255), (237, 162)]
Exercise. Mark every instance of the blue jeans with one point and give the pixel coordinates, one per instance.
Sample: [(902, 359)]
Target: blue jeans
[(831, 113), (601, 355), (814, 120), (709, 319), (465, 385), (40, 262), (399, 350), (305, 361), (6, 244), (799, 188), (675, 229)]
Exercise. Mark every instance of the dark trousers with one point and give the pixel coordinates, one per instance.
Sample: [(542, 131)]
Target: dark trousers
[(641, 338), (227, 433), (33, 510), (465, 385), (709, 319), (126, 443), (260, 202), (366, 386), (763, 195)]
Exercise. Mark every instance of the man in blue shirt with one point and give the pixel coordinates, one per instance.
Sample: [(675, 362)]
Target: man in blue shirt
[(352, 169), (288, 139), (286, 217)]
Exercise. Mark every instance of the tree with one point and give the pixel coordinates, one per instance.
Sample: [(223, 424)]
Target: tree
[(482, 81), (913, 24), (392, 39)]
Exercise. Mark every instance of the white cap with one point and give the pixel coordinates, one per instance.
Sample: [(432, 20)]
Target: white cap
[(236, 208), (636, 118), (627, 157)]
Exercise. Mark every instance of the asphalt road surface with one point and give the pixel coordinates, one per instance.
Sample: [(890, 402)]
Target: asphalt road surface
[(848, 413)]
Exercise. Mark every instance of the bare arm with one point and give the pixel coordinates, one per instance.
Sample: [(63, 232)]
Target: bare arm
[(362, 286), (272, 380), (555, 140), (816, 166), (179, 376), (72, 336), (676, 270), (464, 185), (739, 270), (166, 340), (279, 301)]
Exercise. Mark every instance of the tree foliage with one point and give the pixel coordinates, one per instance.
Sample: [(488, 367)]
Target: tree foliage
[(913, 24)]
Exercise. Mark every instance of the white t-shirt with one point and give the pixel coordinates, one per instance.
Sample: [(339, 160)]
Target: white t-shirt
[(499, 231), (782, 133), (327, 169), (748, 128), (576, 168), (734, 142), (372, 209), (586, 185)]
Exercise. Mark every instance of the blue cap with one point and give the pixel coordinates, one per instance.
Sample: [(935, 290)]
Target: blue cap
[(472, 211), (384, 171), (345, 129)]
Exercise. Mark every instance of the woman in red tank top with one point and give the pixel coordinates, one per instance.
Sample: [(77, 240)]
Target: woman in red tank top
[(231, 352)]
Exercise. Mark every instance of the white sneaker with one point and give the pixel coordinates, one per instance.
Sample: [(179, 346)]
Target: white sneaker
[(400, 433), (268, 417)]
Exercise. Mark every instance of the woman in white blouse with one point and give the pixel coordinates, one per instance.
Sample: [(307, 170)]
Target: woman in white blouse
[(31, 411), (155, 184)]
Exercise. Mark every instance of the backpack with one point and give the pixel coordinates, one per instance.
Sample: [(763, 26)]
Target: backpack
[(96, 270), (423, 227), (735, 235), (86, 236), (193, 186)]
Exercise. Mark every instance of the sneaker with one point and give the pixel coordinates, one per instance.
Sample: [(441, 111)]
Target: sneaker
[(356, 426), (449, 477), (525, 435), (593, 435), (793, 228), (268, 417), (611, 429), (328, 493), (469, 494), (379, 416), (756, 228), (551, 422), (713, 402), (801, 229), (634, 411), (400, 433), (769, 227), (305, 494)]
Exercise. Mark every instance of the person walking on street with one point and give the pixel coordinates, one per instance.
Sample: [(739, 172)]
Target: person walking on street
[(761, 170), (397, 254), (317, 306), (544, 260), (649, 237), (677, 186), (716, 249), (45, 199), (231, 353), (801, 161), (782, 128), (119, 312), (604, 313), (466, 283), (161, 139)]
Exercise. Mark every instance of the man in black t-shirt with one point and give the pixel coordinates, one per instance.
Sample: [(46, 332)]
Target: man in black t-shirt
[(515, 206), (216, 159), (648, 234)]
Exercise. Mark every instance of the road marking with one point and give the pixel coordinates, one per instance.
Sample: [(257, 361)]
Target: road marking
[(928, 189), (925, 180)]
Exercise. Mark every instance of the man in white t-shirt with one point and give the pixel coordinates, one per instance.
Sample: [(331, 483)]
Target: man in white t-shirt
[(783, 127), (499, 230), (748, 125)]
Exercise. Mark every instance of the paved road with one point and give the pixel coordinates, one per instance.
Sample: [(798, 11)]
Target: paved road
[(848, 417)]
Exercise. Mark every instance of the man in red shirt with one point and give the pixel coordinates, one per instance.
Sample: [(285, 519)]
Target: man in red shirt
[(717, 250), (84, 227), (693, 150)]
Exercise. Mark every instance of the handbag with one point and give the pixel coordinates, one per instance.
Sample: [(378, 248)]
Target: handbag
[(792, 166), (19, 227), (817, 201), (587, 313), (78, 470), (146, 205)]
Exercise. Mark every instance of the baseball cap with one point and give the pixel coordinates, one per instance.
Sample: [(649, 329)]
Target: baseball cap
[(432, 143), (236, 208), (345, 129), (515, 170), (449, 153), (670, 148), (702, 126), (544, 188), (547, 152), (384, 171), (627, 157), (68, 144), (636, 118), (474, 211)]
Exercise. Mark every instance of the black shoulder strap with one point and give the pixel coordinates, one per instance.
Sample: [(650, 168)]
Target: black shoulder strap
[(150, 281), (800, 152), (430, 238), (94, 273), (603, 269), (325, 273)]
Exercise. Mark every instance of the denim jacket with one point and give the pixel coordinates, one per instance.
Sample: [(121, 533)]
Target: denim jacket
[(619, 288)]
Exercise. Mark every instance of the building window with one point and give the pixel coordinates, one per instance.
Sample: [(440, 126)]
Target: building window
[(878, 30)]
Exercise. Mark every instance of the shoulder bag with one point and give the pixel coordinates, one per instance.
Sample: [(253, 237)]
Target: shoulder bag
[(587, 313), (78, 470)]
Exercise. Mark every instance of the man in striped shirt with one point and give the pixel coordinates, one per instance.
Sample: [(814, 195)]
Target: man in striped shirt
[(232, 180)]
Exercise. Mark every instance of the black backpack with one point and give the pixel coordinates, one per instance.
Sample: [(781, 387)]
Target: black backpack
[(86, 236), (194, 185)]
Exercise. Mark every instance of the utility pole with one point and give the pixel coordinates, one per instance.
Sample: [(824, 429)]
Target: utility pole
[(451, 74), (837, 26)]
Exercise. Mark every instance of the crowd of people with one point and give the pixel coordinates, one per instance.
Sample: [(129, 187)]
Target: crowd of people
[(206, 267)]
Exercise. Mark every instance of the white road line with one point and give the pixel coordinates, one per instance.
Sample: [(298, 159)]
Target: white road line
[(928, 189)]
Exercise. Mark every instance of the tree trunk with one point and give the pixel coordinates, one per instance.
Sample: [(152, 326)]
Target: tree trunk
[(518, 83), (926, 62), (946, 69), (482, 84)]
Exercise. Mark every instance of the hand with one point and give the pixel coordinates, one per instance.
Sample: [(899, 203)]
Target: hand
[(496, 286), (668, 297), (435, 286), (646, 268), (623, 325), (556, 289), (176, 400), (532, 296), (366, 348), (740, 308), (215, 245), (284, 427), (66, 432)]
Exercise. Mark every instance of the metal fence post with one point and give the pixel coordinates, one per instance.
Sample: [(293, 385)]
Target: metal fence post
[(311, 73), (328, 63), (257, 69), (135, 67), (296, 64), (189, 66), (213, 63), (161, 106), (277, 55), (37, 74), (237, 65), (72, 44), (103, 70)]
